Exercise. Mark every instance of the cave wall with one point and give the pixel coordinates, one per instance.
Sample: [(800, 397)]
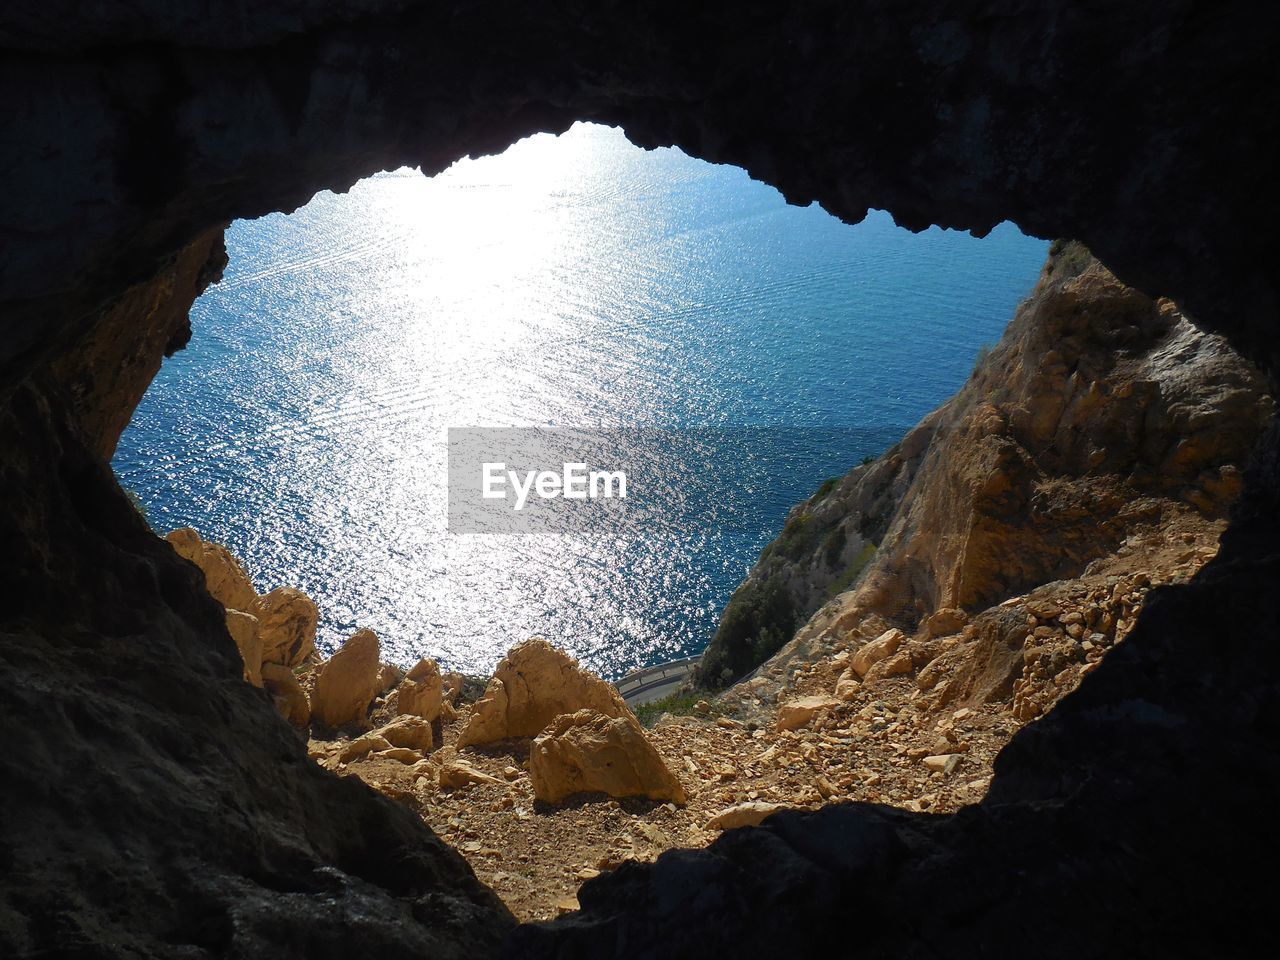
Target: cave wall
[(154, 806)]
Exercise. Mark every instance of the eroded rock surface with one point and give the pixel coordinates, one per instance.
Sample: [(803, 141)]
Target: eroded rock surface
[(348, 682), (591, 752), (534, 684)]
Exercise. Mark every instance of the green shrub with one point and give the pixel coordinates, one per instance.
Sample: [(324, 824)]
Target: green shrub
[(851, 573), (757, 621), (678, 704)]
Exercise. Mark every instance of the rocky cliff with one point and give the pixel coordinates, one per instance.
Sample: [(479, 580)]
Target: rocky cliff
[(1103, 421)]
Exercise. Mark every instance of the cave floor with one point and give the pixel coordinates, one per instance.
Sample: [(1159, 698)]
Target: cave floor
[(881, 745)]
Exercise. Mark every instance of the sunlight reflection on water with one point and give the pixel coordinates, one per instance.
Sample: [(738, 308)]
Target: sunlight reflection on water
[(572, 281)]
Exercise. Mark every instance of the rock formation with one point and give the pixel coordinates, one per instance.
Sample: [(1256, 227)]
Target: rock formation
[(421, 692), (1100, 413), (224, 578), (592, 752), (288, 619), (246, 633), (348, 682), (532, 686), (131, 138), (290, 699)]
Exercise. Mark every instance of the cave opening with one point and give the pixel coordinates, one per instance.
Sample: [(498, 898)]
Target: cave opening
[(152, 804), (572, 280)]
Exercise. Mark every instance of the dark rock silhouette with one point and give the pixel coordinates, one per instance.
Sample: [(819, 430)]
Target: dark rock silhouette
[(154, 805)]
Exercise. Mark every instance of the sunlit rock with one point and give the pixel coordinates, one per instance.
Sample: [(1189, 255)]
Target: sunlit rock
[(421, 692), (533, 685), (590, 752), (244, 630), (289, 697), (288, 619), (743, 815), (348, 682), (224, 578)]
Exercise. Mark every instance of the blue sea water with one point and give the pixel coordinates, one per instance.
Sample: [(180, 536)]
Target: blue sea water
[(573, 281)]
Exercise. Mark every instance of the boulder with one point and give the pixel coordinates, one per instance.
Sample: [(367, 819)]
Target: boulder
[(411, 732), (348, 682), (798, 713), (290, 699), (224, 578), (243, 628), (421, 691), (453, 684), (945, 622), (743, 815), (400, 754), (388, 676), (532, 686), (847, 686), (363, 746), (898, 665), (872, 652), (287, 619), (592, 752), (456, 774)]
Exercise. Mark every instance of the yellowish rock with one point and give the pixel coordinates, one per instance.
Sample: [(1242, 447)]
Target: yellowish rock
[(456, 774), (743, 815), (591, 752), (408, 731), (799, 713), (287, 619), (421, 692), (532, 686), (388, 676), (290, 699), (944, 622), (363, 746), (243, 628), (847, 686), (348, 682), (872, 652), (224, 578), (400, 754)]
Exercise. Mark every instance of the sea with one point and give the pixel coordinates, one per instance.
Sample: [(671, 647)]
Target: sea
[(734, 350)]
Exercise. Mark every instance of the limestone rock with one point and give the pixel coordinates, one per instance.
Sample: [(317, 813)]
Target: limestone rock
[(407, 731), (946, 621), (456, 774), (363, 746), (388, 676), (798, 713), (743, 815), (244, 630), (847, 686), (400, 754), (898, 665), (421, 692), (288, 620), (943, 763), (224, 578), (532, 686), (876, 650), (290, 699), (348, 682), (591, 752)]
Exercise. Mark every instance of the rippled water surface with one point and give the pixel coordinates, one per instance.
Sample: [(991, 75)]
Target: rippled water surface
[(571, 282)]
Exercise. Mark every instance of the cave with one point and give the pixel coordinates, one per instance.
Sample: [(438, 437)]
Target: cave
[(154, 805)]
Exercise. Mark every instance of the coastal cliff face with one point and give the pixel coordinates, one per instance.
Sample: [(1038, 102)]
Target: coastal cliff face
[(156, 805), (1102, 422)]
